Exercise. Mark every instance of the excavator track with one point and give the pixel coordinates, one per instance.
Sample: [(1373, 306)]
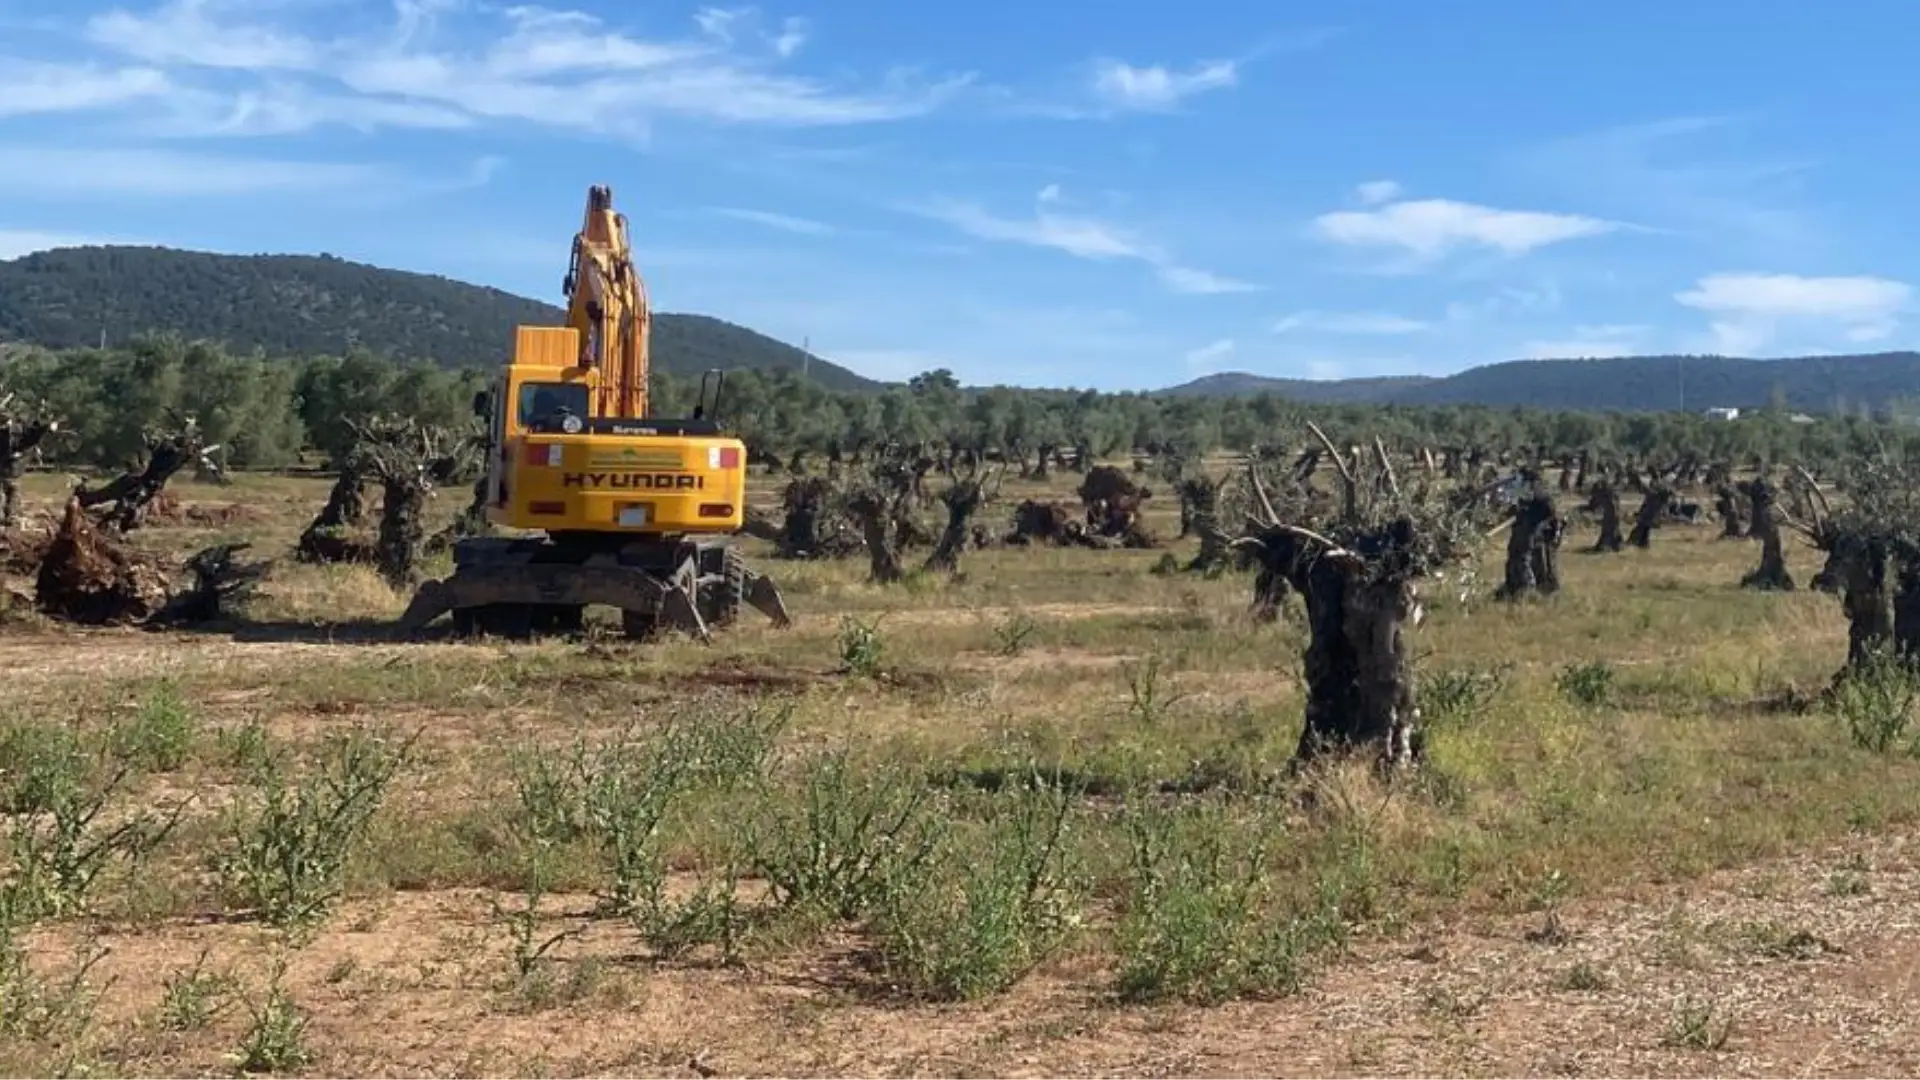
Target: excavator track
[(522, 588)]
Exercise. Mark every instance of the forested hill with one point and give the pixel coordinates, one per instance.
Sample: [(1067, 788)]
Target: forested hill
[(305, 305), (1628, 383)]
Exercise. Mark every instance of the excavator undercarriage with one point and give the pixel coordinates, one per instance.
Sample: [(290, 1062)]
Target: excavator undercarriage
[(522, 587)]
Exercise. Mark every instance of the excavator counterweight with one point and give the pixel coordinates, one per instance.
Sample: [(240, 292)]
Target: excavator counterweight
[(612, 504)]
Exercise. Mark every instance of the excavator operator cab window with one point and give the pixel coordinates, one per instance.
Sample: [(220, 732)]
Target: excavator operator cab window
[(546, 406)]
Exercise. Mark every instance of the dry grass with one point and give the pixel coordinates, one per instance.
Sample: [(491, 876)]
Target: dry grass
[(1649, 867)]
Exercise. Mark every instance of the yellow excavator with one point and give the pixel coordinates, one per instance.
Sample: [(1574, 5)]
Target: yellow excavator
[(614, 506)]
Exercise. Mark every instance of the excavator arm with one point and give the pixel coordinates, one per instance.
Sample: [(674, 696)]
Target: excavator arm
[(607, 305)]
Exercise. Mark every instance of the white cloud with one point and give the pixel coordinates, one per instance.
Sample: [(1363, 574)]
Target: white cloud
[(1081, 237), (60, 171), (1206, 356), (1350, 322), (27, 88), (1185, 279), (203, 33), (793, 34), (1748, 310), (289, 109), (1156, 88), (517, 63), (786, 222), (1050, 193), (1375, 192), (1430, 228)]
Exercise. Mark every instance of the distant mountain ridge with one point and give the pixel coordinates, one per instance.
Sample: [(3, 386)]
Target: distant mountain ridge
[(317, 304), (1627, 384)]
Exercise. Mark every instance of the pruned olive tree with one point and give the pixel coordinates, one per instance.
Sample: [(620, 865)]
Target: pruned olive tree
[(1358, 571), (1772, 572), (1873, 556), (23, 428), (409, 460), (1533, 546)]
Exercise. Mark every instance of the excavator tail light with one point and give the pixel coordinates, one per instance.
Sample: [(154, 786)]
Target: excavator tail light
[(716, 510), (547, 455), (729, 457), (552, 509)]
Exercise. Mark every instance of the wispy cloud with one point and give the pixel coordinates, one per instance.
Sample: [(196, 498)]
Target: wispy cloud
[(1350, 322), (1080, 237), (1375, 192), (67, 172), (1206, 357), (530, 65), (27, 88), (1083, 238), (1185, 279), (1748, 310), (1428, 229), (1157, 88), (785, 222)]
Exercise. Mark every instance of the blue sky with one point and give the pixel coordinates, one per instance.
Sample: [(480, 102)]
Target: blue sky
[(1123, 195)]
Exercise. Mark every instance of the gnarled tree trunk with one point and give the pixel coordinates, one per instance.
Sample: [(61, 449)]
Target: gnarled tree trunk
[(1772, 572), (1726, 503), (1652, 508), (871, 512), (963, 499), (1533, 549), (1605, 501), (1359, 669)]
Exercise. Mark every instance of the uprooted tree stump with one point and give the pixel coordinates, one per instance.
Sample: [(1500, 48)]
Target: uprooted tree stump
[(220, 581), (1533, 548), (1113, 507), (1772, 572), (87, 577), (1039, 522)]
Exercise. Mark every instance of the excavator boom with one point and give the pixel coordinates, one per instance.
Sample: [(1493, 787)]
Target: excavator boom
[(607, 307)]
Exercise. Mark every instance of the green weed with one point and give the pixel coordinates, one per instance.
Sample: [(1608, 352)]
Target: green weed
[(987, 912), (1875, 701), (286, 856), (853, 830), (1589, 684), (1196, 924)]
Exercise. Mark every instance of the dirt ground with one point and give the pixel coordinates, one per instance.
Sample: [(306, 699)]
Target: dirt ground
[(1669, 876)]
